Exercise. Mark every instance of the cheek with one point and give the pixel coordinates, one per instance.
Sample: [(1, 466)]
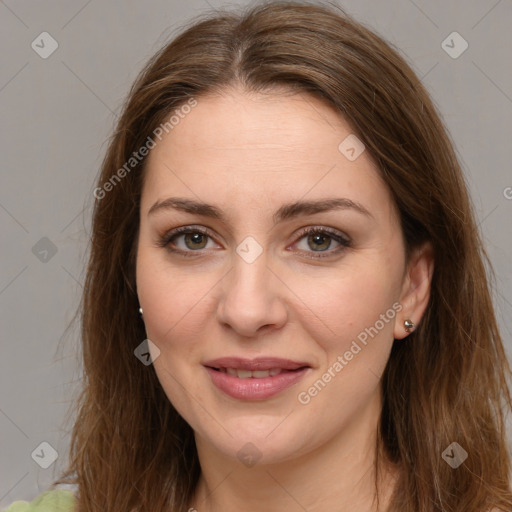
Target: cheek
[(353, 327), (177, 307), (176, 302), (344, 306)]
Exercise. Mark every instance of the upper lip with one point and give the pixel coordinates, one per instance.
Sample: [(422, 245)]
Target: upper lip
[(259, 363)]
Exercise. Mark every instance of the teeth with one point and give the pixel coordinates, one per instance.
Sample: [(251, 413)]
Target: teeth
[(247, 374), (261, 373)]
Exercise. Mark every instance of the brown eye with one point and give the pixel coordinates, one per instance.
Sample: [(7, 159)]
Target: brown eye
[(322, 241), (195, 240), (188, 240), (319, 242)]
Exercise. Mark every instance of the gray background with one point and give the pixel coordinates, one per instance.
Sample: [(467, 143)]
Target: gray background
[(58, 112)]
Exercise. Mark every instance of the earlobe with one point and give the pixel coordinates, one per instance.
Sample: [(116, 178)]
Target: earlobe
[(415, 290)]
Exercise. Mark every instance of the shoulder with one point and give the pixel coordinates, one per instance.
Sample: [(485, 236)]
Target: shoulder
[(57, 500)]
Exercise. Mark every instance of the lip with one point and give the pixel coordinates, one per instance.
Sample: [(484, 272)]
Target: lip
[(255, 388)]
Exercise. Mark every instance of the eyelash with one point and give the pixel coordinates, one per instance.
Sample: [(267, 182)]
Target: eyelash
[(167, 238)]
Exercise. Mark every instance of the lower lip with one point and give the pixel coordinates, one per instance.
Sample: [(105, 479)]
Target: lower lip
[(255, 389)]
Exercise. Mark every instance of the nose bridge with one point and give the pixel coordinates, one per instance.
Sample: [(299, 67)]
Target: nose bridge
[(250, 278), (251, 296), (250, 271)]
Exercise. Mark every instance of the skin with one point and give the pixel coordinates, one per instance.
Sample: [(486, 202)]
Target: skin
[(248, 154)]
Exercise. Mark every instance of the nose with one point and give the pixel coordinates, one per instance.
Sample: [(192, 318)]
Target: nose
[(252, 299)]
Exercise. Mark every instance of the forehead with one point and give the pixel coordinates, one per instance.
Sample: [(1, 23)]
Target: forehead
[(240, 147)]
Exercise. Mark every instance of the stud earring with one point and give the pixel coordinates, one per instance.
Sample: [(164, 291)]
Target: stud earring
[(408, 326), (140, 311)]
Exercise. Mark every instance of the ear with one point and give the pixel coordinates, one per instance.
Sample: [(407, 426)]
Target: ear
[(415, 288)]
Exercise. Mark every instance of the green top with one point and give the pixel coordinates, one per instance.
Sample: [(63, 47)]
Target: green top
[(57, 500)]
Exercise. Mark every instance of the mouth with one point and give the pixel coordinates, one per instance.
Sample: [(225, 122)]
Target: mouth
[(254, 379), (256, 374), (255, 365)]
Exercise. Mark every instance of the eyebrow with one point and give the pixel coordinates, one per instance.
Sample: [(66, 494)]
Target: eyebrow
[(285, 212)]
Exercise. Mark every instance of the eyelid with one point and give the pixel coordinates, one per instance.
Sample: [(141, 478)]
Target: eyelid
[(324, 230), (335, 234), (165, 239)]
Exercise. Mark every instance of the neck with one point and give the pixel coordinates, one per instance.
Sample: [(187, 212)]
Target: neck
[(338, 475)]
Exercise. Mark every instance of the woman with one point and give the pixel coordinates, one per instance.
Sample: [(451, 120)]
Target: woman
[(286, 304)]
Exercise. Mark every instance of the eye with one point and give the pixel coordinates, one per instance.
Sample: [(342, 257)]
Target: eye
[(322, 240), (187, 239), (316, 242)]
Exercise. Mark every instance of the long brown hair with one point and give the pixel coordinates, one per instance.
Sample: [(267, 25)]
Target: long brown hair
[(446, 383)]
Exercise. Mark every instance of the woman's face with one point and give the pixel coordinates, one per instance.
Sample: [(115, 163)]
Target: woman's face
[(268, 334)]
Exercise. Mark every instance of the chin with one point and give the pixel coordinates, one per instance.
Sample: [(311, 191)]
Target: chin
[(254, 441)]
